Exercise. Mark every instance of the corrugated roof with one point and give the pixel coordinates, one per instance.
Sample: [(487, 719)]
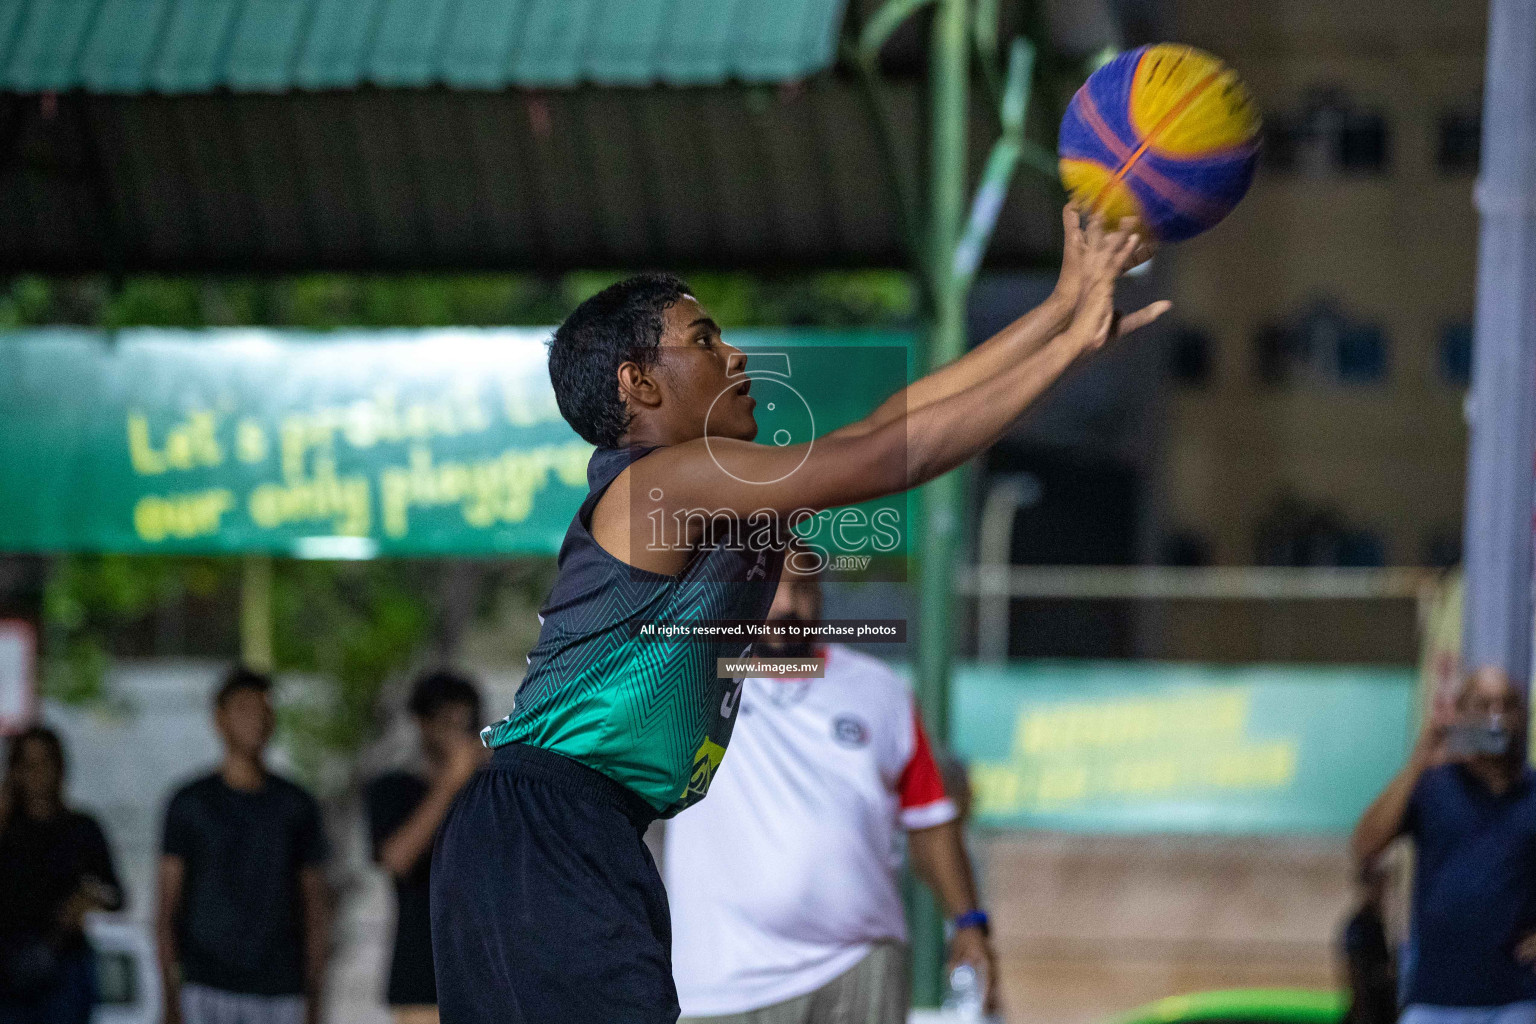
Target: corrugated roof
[(440, 178), (195, 46)]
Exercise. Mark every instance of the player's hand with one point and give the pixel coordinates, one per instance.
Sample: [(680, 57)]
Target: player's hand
[(1069, 283), (1074, 254), (970, 946), (1106, 255), (1525, 950)]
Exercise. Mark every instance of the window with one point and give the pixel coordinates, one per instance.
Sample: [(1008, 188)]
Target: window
[(1328, 134), (1363, 143), (1442, 549), (1299, 532), (1456, 354), (1460, 142), (1184, 548), (1189, 356), (1362, 354), (1321, 344), (1358, 549)]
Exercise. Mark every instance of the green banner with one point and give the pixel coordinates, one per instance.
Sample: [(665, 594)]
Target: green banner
[(338, 445), (1147, 747)]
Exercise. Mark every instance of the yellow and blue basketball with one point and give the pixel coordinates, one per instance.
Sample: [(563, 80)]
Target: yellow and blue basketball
[(1167, 134)]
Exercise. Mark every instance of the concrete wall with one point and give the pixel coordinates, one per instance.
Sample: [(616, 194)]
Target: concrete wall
[(1091, 926)]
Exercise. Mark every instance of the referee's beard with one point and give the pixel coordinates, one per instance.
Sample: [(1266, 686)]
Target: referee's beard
[(785, 648)]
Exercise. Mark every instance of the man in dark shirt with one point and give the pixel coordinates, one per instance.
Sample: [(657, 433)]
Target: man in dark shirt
[(1468, 802), (242, 917), (404, 811)]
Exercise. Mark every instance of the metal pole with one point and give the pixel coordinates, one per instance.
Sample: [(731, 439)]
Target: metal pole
[(994, 556), (1503, 408), (941, 499)]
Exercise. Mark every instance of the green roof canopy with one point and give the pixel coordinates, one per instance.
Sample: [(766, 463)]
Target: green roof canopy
[(197, 46)]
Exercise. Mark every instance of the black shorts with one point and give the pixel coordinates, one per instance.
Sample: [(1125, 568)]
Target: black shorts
[(546, 905)]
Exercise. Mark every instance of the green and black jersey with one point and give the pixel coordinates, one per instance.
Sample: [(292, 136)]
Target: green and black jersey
[(647, 712)]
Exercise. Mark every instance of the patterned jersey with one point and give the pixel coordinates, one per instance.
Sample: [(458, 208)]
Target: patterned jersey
[(647, 712)]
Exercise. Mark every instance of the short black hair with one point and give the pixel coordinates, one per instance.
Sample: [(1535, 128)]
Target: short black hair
[(622, 323), (441, 687), (241, 678)]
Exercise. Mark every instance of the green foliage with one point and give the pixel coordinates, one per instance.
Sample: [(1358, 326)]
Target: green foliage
[(93, 605), (333, 301), (351, 625)]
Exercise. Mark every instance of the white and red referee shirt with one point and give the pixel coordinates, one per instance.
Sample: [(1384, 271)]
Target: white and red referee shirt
[(786, 873)]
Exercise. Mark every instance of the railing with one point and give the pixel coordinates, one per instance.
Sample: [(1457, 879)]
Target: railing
[(994, 586)]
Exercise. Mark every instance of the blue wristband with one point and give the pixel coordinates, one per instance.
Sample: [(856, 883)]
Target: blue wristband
[(971, 919)]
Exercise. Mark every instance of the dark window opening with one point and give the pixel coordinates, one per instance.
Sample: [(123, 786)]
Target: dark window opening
[(1296, 532), (1321, 344), (1442, 549), (1184, 548), (1460, 142), (1456, 354), (1328, 134), (1189, 356), (1362, 354)]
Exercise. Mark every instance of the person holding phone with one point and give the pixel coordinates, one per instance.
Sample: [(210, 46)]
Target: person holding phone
[(1467, 801)]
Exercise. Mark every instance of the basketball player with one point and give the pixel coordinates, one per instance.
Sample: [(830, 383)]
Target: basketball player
[(546, 905)]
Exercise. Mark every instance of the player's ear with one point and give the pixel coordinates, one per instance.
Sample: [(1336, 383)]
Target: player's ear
[(637, 387)]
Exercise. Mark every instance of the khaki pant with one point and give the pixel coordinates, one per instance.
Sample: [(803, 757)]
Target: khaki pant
[(414, 1014), (876, 990)]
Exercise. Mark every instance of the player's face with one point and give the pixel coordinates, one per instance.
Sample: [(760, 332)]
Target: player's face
[(704, 390)]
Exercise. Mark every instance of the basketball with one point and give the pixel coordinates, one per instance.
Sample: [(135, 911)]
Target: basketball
[(1167, 134)]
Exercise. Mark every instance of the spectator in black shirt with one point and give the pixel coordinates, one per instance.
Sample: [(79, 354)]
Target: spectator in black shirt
[(54, 868), (404, 811), (242, 917)]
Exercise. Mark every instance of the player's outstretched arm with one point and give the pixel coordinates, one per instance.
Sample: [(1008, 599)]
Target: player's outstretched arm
[(1017, 341), (729, 477)]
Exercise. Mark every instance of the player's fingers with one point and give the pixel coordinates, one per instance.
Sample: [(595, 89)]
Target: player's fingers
[(1128, 251), (1115, 242), (1095, 233), (1143, 316)]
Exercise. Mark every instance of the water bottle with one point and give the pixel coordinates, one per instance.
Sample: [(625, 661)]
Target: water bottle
[(966, 1000)]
